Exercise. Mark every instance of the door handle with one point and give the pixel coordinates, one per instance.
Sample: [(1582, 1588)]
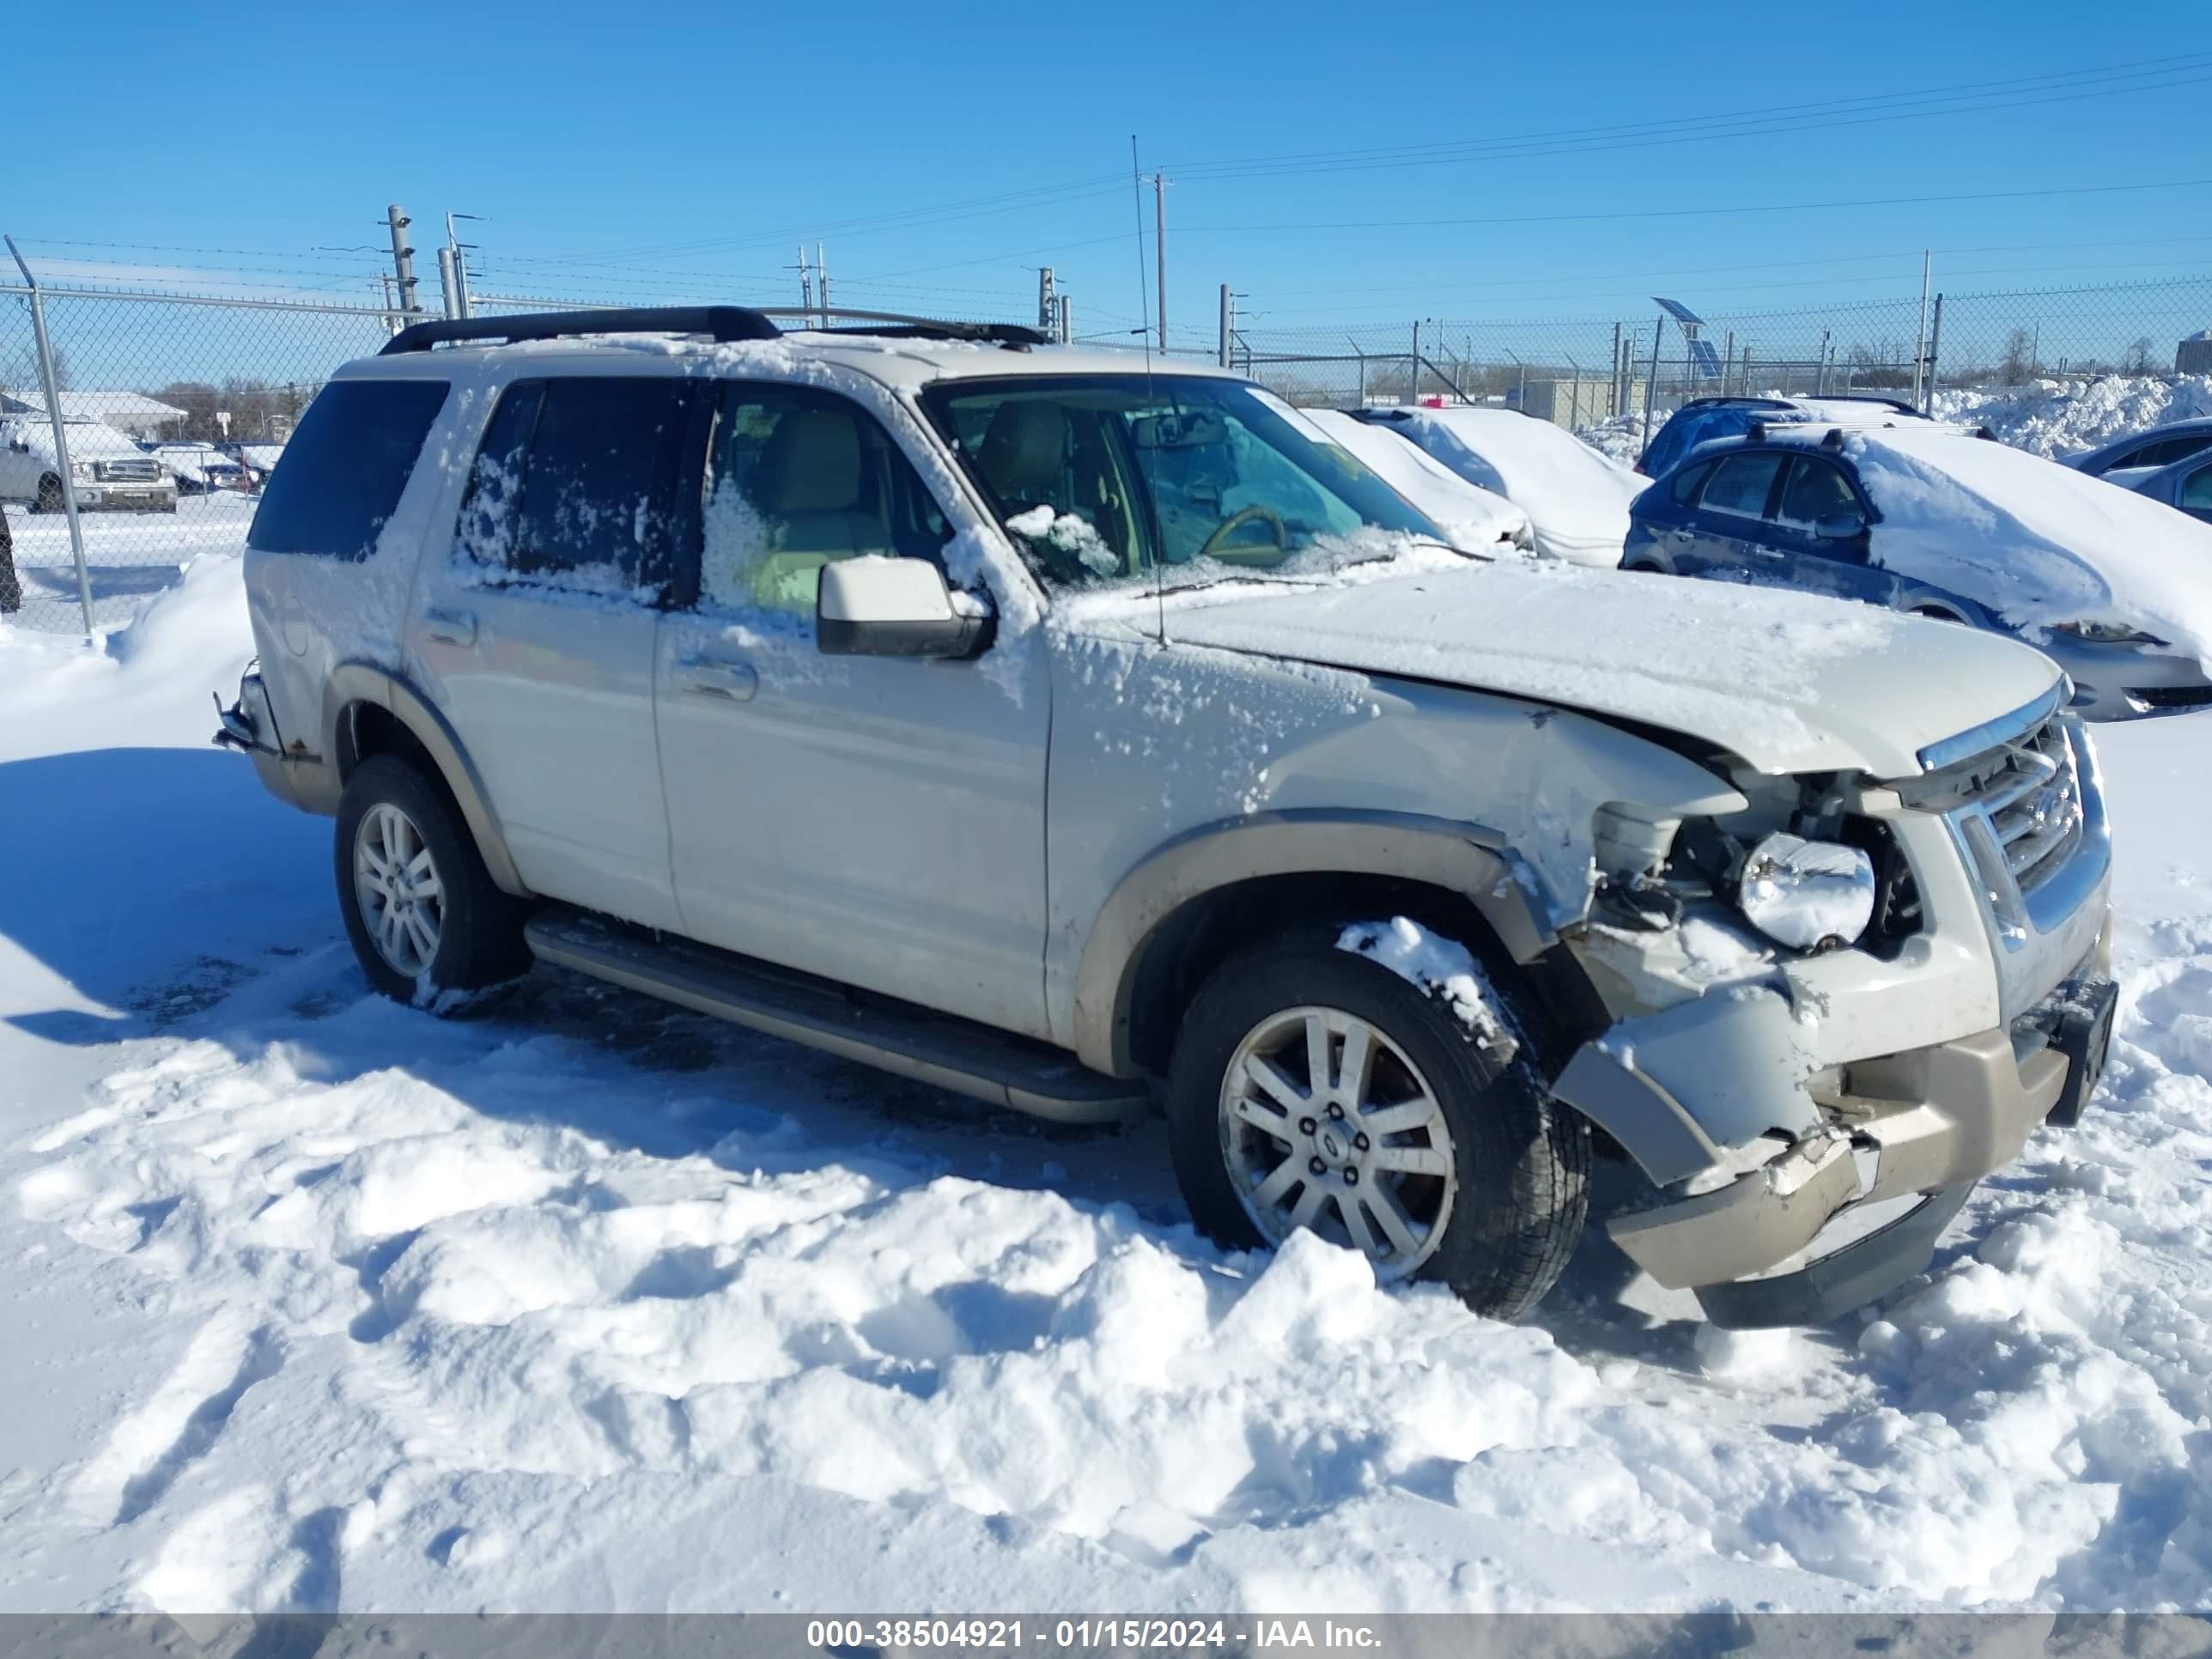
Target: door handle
[(454, 627), (1765, 552), (735, 680), (1685, 537)]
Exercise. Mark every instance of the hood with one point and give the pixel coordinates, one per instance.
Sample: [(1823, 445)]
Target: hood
[(1575, 498), (2036, 543), (1788, 681)]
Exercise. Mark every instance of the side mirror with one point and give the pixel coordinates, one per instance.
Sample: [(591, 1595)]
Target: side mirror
[(877, 606), (1839, 527), (20, 448)]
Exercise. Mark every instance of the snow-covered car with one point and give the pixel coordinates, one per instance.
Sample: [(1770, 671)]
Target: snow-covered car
[(1094, 741), (200, 469), (259, 459), (1576, 499), (1938, 521), (106, 468), (2130, 460), (1704, 419), (2185, 484), (1475, 518)]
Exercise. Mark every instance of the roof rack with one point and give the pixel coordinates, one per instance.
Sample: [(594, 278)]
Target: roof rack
[(718, 322), (899, 326)]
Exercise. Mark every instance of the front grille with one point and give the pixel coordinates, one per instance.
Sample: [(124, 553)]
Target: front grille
[(145, 469), (2172, 696), (2033, 804)]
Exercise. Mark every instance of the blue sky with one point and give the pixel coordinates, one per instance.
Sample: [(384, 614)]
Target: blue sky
[(655, 150)]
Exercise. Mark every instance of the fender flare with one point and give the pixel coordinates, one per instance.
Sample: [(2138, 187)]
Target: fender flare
[(357, 681), (1462, 858)]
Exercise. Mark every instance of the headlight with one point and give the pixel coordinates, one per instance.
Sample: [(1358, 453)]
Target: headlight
[(80, 470), (1805, 893), (2097, 633)]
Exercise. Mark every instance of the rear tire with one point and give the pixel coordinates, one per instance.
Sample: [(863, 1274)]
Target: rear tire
[(423, 913), (1490, 1189), (49, 499)]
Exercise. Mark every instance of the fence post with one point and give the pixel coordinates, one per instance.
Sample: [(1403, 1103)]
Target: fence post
[(1612, 391), (1935, 346), (1651, 380), (1413, 368), (61, 433)]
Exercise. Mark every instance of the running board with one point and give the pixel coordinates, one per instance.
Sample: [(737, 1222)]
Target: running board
[(936, 1049)]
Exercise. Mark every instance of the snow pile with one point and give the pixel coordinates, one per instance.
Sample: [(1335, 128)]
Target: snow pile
[(588, 1303), (2060, 419), (1621, 438), (2036, 542), (1575, 498), (1474, 517)]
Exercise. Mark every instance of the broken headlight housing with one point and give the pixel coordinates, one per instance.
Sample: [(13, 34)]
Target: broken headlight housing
[(1807, 895)]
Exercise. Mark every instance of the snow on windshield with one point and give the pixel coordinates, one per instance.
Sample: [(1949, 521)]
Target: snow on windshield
[(2036, 542), (1469, 515), (1574, 497)]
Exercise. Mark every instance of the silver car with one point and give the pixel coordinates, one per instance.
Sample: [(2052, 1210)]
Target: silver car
[(1097, 738)]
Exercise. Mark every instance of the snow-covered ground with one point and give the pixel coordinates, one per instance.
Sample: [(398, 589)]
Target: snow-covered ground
[(316, 1302), (127, 555)]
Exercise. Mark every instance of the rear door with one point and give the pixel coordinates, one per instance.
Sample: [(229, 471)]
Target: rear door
[(1728, 526), (538, 628)]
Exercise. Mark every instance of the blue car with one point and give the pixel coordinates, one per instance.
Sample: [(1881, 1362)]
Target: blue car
[(1702, 419), (2140, 454), (1790, 507)]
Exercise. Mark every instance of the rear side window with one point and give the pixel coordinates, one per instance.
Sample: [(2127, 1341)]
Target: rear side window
[(1687, 483), (2197, 490), (574, 486), (1742, 481), (346, 467)]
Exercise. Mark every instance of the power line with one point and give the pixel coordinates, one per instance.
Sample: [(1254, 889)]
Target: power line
[(1693, 213), (2068, 86)]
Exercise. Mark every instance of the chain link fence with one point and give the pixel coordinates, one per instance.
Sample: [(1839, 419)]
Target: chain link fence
[(174, 406)]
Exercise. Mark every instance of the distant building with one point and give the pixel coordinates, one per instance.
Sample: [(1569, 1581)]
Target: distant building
[(2194, 355), (130, 412)]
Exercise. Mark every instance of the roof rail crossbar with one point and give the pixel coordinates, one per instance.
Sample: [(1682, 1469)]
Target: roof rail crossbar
[(896, 325), (717, 322)]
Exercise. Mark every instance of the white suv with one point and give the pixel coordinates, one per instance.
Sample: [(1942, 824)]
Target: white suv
[(1095, 736)]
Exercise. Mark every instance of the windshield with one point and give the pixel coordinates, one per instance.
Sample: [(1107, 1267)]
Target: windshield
[(1108, 479)]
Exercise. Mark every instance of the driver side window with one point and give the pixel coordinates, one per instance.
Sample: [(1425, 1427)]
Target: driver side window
[(800, 478)]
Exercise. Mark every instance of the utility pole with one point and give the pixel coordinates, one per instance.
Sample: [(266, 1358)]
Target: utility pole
[(461, 252), (1067, 319), (1160, 249), (1935, 352), (805, 283), (392, 322), (821, 281), (402, 260), (1228, 323), (448, 289), (1047, 303)]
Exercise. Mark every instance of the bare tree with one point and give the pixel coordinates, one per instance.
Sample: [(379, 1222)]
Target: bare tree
[(2018, 356), (2137, 361)]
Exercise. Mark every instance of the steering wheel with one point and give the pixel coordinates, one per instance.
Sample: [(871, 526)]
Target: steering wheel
[(1254, 515)]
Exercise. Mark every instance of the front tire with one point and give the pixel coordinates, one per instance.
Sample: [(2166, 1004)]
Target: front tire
[(1439, 1156), (423, 913), (49, 497)]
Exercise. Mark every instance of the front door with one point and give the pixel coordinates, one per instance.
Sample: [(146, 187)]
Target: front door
[(879, 821), (1821, 526), (1728, 523), (538, 631)]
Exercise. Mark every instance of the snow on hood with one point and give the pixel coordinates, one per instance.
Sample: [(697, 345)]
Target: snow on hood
[(1474, 517), (2036, 542), (89, 440), (1577, 499), (1789, 681)]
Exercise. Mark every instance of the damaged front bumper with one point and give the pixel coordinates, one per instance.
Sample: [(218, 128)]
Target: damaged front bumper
[(1780, 1242)]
